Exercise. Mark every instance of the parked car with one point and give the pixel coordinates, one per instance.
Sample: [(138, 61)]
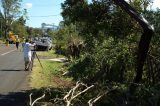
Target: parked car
[(43, 43)]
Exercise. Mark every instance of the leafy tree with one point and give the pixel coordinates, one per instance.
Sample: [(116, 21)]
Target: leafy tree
[(10, 10), (19, 28), (101, 19), (37, 32), (67, 39), (141, 5), (110, 63)]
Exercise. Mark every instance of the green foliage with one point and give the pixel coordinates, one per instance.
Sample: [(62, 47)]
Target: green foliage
[(152, 64), (154, 19), (37, 32), (18, 28), (144, 96), (11, 7), (101, 19), (115, 58), (109, 59), (10, 11), (141, 5), (104, 19), (66, 36), (34, 32), (51, 33)]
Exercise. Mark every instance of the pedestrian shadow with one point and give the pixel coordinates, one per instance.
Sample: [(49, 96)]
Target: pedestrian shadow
[(12, 70), (22, 98), (14, 99)]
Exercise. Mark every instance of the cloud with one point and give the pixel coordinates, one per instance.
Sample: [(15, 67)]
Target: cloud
[(28, 5), (156, 3)]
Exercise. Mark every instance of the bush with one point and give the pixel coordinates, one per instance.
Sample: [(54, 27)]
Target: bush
[(113, 61)]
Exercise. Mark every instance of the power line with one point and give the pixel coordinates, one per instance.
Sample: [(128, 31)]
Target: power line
[(40, 16), (43, 5), (46, 15)]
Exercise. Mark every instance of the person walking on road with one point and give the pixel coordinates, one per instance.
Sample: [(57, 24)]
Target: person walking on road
[(17, 43), (27, 53), (23, 42)]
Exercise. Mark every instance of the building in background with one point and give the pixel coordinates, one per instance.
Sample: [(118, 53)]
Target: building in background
[(45, 27)]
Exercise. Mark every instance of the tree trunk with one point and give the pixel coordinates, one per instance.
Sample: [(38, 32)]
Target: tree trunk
[(145, 39)]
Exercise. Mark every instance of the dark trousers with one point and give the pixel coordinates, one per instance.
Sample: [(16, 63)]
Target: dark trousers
[(17, 44)]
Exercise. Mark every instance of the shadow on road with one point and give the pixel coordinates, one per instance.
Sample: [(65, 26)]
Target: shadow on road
[(22, 98), (11, 70), (14, 99)]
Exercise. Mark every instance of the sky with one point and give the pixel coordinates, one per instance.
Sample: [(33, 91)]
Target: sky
[(156, 4), (48, 11), (43, 11)]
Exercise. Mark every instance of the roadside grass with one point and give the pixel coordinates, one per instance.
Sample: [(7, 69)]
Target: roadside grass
[(51, 73), (50, 53), (1, 41), (43, 77)]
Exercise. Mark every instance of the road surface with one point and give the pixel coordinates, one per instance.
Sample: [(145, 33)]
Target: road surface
[(13, 77)]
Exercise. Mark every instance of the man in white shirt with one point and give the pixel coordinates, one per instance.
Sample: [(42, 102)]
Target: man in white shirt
[(27, 53)]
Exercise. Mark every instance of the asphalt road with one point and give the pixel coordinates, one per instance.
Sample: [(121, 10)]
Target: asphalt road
[(13, 77)]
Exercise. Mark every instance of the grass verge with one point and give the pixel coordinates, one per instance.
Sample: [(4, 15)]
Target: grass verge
[(50, 75), (50, 53), (1, 41)]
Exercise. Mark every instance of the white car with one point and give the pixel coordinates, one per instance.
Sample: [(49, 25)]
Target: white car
[(43, 43)]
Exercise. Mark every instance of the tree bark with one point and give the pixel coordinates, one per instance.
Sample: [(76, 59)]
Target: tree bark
[(145, 39)]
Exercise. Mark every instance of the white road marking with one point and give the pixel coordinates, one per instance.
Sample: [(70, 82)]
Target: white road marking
[(7, 52)]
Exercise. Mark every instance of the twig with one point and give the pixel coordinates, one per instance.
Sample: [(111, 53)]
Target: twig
[(95, 99), (154, 57), (72, 94), (30, 98), (32, 103), (83, 91)]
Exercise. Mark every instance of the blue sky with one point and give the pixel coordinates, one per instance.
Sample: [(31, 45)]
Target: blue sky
[(48, 11), (43, 11)]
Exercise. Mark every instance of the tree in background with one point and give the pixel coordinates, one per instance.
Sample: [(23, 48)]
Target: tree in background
[(9, 11), (67, 41), (98, 20), (18, 27), (37, 32)]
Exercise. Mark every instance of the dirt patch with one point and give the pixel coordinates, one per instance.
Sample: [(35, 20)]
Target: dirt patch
[(52, 59), (45, 57), (61, 83)]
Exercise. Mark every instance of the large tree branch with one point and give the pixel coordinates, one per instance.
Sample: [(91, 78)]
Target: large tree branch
[(145, 39)]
